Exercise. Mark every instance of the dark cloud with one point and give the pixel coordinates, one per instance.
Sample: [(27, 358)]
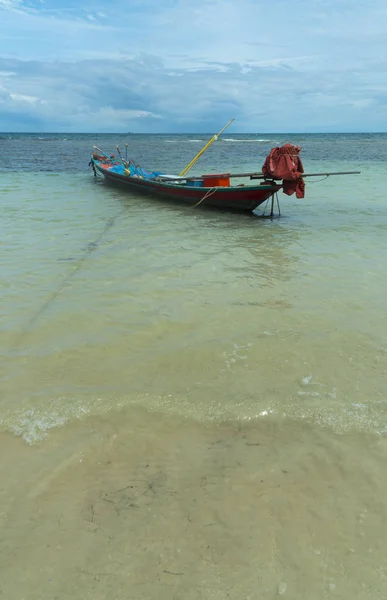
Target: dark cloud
[(141, 95)]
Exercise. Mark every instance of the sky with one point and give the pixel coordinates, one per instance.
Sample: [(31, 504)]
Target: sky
[(175, 66)]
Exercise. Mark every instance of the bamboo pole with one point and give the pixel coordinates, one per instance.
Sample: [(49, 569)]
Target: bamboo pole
[(262, 176), (258, 175), (213, 139)]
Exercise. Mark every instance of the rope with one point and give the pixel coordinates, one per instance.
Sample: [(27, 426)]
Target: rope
[(206, 195), (90, 248), (273, 198), (264, 210), (318, 180), (96, 173)]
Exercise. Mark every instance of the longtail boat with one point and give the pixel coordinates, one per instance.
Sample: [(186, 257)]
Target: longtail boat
[(282, 169), (210, 190)]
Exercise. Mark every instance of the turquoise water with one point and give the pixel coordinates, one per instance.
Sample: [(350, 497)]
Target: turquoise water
[(118, 309), (154, 288)]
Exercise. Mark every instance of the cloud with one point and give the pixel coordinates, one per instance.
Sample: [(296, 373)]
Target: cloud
[(9, 3), (185, 64)]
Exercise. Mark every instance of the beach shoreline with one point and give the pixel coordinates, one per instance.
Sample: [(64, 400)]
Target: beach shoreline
[(133, 504)]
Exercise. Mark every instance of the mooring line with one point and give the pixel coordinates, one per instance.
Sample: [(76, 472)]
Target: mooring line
[(90, 248)]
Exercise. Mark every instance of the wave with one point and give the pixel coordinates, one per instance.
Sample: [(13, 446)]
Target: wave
[(184, 141), (35, 424), (243, 141), (235, 140)]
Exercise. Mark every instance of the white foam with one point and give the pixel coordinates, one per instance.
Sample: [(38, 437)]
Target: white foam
[(243, 141), (234, 357), (282, 588), (35, 424), (301, 393), (306, 380)]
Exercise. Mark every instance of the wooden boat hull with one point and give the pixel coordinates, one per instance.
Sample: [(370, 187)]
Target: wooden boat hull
[(240, 198)]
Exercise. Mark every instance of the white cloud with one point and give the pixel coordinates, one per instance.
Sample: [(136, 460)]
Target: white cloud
[(24, 98), (10, 4), (279, 66)]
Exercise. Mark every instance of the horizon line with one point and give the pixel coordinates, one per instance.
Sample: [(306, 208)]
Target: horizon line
[(193, 132)]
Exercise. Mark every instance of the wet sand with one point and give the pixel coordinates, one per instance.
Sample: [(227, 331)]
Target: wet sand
[(134, 505)]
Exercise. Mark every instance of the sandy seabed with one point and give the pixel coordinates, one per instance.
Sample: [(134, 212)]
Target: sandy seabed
[(134, 505)]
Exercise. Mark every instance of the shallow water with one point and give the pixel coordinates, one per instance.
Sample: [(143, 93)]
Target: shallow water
[(242, 359)]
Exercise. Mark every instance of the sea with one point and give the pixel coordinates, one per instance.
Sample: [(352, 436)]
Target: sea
[(193, 403)]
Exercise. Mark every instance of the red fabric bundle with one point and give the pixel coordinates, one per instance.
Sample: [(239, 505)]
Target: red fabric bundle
[(284, 163)]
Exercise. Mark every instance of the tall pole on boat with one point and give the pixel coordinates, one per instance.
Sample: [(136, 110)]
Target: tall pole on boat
[(122, 160), (213, 139)]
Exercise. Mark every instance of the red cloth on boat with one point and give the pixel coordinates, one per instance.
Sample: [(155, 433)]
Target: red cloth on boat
[(284, 163)]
